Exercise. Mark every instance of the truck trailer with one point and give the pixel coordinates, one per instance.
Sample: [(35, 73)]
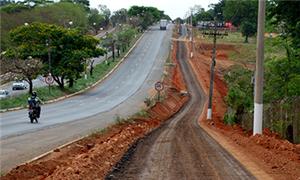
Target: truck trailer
[(163, 24)]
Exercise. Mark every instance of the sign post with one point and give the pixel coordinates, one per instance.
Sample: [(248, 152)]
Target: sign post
[(159, 86), (49, 80)]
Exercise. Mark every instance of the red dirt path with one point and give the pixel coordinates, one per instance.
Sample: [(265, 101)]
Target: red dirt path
[(279, 158)]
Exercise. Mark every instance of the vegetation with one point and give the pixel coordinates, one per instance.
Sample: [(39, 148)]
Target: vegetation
[(99, 71), (69, 50), (64, 14), (148, 15), (242, 14), (240, 93), (21, 101), (95, 20), (282, 63), (27, 69), (282, 76)]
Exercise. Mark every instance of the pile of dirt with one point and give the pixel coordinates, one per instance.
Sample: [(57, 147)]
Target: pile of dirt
[(278, 158), (94, 156)]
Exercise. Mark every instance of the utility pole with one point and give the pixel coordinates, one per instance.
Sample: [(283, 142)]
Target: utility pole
[(192, 38), (213, 31), (212, 70), (259, 72)]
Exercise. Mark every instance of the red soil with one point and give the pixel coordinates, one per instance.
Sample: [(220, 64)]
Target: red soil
[(279, 158), (94, 156)]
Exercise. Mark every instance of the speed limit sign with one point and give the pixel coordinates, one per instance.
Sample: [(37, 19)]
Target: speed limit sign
[(49, 79)]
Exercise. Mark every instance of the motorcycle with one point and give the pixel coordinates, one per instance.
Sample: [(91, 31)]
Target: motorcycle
[(33, 116)]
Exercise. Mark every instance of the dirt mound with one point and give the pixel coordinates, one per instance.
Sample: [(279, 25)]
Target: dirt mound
[(279, 158)]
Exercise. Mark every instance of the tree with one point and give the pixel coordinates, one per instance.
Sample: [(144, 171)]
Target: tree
[(124, 37), (286, 15), (147, 15), (147, 20), (84, 3), (11, 8), (248, 29), (217, 10), (68, 47), (282, 77), (283, 89), (201, 15), (119, 17), (25, 69), (95, 19), (58, 13), (242, 14), (104, 11), (109, 42)]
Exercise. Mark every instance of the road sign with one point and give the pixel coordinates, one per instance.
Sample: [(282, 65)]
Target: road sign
[(49, 79), (159, 86)]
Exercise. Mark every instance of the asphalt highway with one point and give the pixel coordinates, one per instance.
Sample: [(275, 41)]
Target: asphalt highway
[(121, 94)]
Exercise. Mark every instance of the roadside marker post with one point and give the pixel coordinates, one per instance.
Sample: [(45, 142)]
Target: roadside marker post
[(159, 86)]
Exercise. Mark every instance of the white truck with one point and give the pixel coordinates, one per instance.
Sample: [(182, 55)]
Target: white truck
[(163, 24)]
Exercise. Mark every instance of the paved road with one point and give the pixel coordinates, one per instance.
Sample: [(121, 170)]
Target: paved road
[(121, 94), (181, 149)]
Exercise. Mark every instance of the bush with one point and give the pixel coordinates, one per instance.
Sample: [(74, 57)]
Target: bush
[(240, 93), (230, 118)]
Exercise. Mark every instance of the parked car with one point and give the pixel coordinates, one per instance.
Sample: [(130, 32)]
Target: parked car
[(3, 93), (19, 85)]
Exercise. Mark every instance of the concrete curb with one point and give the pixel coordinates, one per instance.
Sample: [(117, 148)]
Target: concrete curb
[(87, 88)]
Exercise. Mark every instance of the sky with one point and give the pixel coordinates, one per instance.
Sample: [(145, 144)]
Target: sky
[(173, 8)]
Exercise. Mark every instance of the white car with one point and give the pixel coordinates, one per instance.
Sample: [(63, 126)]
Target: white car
[(3, 93), (19, 85)]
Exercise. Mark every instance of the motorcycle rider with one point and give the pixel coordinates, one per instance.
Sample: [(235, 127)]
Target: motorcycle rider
[(35, 102)]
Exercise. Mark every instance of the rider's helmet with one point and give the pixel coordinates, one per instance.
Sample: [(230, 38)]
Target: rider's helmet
[(34, 94)]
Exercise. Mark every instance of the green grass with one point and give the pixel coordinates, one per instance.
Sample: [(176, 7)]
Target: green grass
[(141, 113), (100, 70), (246, 52), (21, 100)]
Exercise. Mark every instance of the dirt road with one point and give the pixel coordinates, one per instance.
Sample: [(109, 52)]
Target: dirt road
[(180, 149)]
